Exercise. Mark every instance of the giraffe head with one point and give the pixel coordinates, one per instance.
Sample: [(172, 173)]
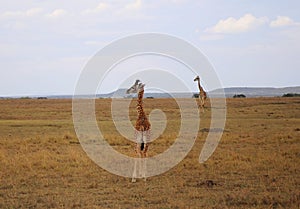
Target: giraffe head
[(137, 86), (197, 78)]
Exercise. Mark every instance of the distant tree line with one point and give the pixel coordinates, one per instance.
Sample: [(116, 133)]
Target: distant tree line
[(239, 96), (291, 95), (196, 95)]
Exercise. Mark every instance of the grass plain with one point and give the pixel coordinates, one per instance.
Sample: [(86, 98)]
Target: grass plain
[(256, 165)]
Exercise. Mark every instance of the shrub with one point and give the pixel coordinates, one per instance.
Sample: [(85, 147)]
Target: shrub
[(196, 95), (239, 96), (291, 95)]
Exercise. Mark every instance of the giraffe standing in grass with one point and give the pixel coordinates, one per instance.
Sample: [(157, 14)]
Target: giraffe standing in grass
[(142, 130), (202, 95)]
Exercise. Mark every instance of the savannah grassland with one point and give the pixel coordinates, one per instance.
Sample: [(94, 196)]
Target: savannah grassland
[(256, 165)]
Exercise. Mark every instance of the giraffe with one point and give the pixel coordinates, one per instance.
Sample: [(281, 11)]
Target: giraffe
[(142, 130), (202, 94)]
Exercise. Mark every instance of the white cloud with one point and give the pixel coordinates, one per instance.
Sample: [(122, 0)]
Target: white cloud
[(137, 4), (18, 20), (12, 14), (129, 9), (33, 12), (231, 25), (118, 8), (100, 8), (119, 11), (21, 14), (282, 21), (57, 13)]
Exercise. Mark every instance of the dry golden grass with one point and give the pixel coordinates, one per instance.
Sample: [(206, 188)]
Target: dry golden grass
[(256, 164)]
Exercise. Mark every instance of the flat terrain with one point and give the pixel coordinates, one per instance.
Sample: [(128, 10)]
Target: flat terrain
[(256, 165)]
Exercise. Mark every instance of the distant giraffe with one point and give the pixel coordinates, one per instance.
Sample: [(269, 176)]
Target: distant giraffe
[(202, 94), (142, 129)]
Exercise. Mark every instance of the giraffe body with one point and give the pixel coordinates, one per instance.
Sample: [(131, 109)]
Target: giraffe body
[(142, 125)]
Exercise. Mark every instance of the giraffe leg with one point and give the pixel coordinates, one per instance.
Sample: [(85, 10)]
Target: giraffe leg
[(146, 138), (140, 170), (134, 172), (144, 168), (137, 162)]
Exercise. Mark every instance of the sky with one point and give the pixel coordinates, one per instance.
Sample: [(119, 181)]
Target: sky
[(45, 45)]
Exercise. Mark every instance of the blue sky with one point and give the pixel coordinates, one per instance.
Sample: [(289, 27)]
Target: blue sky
[(44, 45)]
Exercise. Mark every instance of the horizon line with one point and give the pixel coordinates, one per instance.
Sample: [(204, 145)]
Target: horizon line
[(112, 92)]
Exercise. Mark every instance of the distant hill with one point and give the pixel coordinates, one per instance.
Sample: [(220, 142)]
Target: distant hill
[(121, 93)]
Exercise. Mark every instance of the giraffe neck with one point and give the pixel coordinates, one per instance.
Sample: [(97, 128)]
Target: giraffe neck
[(199, 86), (202, 93), (142, 123), (140, 96)]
